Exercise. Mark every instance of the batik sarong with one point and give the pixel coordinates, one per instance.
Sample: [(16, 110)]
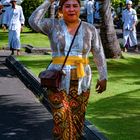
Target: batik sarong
[(68, 112)]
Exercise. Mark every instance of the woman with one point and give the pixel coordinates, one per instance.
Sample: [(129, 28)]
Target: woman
[(69, 102)]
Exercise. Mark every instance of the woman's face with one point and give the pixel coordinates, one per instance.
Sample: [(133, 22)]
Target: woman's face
[(71, 11)]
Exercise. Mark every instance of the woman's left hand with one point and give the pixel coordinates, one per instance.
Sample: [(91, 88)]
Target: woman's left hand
[(101, 86)]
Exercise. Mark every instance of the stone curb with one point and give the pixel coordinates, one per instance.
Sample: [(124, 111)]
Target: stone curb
[(90, 132), (38, 50)]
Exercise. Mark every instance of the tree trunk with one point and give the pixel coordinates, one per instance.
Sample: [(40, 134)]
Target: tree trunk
[(108, 34)]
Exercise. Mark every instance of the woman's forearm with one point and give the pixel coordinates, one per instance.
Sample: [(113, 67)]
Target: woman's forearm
[(100, 62), (99, 57), (37, 16)]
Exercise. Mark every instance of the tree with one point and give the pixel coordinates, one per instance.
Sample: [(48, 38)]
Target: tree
[(28, 7), (107, 31)]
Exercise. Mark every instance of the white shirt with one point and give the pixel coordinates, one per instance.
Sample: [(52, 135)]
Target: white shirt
[(129, 17), (90, 7), (13, 18)]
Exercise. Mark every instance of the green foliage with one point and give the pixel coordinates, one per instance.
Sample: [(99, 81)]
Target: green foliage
[(28, 7), (115, 3)]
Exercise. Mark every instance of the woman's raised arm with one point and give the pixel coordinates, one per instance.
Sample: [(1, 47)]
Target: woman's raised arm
[(37, 20)]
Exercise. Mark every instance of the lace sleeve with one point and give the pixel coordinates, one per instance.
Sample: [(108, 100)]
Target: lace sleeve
[(37, 20), (99, 57)]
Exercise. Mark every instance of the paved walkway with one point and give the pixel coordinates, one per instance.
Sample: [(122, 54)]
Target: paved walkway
[(22, 116)]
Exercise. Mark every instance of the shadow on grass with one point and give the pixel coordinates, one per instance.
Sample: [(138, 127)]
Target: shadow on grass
[(117, 115), (118, 68), (121, 71), (28, 32)]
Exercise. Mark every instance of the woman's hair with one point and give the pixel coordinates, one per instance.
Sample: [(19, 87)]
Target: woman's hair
[(63, 1)]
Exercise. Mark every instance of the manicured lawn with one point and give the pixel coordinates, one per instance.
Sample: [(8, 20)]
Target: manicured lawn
[(3, 38), (35, 63), (27, 37), (116, 112)]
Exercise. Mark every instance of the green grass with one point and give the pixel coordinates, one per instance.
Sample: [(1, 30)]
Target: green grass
[(27, 37), (3, 38), (35, 63), (116, 112)]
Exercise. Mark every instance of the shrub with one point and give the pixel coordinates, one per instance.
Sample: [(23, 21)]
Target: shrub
[(28, 7)]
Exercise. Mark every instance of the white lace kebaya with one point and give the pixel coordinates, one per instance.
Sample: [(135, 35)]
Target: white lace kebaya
[(87, 40)]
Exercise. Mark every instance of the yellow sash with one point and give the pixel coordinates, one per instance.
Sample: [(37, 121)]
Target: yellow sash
[(73, 60)]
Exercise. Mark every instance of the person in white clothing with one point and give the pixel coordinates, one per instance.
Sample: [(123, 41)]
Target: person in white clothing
[(13, 19), (129, 18), (90, 11)]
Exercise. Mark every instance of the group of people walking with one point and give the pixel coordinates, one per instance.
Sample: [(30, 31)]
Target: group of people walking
[(13, 20), (127, 18)]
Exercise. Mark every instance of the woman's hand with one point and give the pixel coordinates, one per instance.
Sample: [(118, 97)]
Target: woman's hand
[(101, 86)]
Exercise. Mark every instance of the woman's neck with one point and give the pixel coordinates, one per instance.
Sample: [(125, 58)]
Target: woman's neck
[(72, 26)]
